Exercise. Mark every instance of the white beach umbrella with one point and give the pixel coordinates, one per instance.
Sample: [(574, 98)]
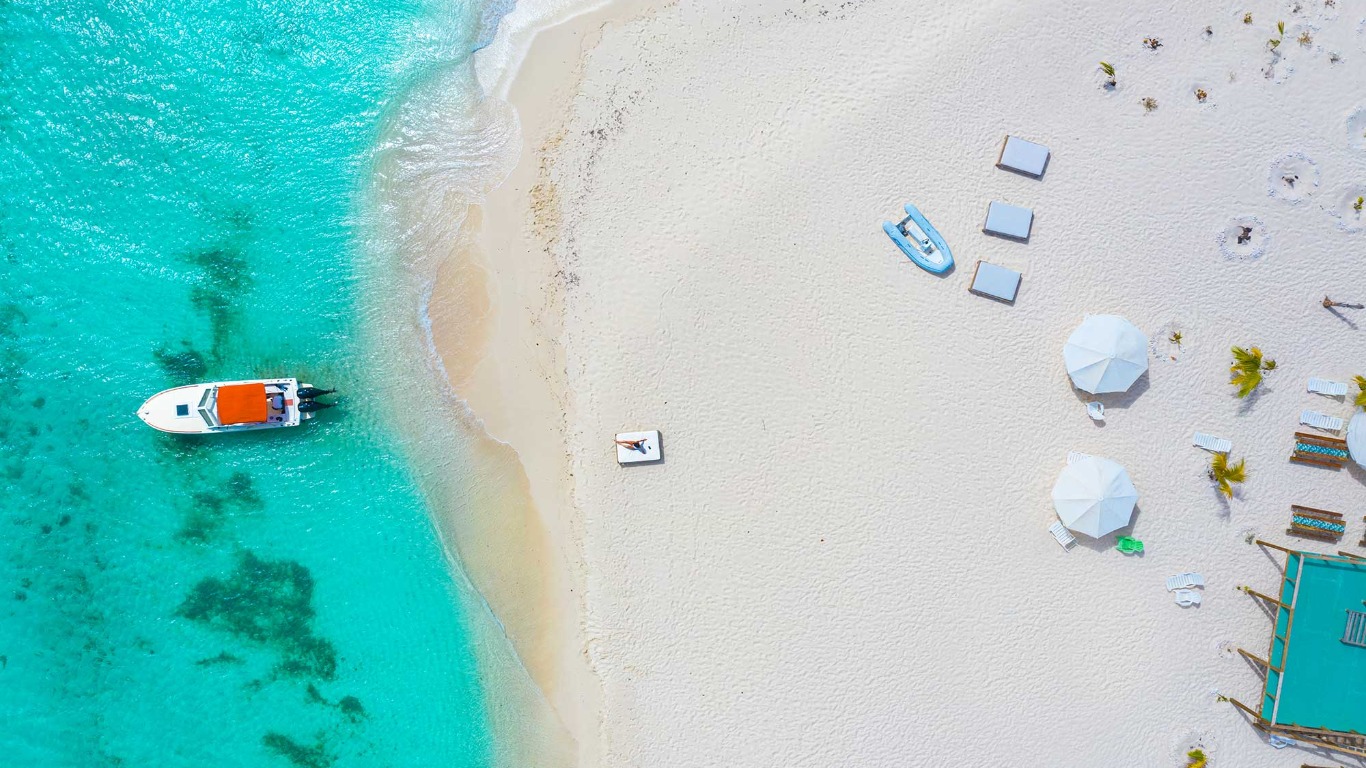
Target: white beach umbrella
[(1094, 496), (1356, 438), (1105, 354)]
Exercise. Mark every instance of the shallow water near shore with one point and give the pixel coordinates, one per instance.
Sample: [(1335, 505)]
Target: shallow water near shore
[(180, 205)]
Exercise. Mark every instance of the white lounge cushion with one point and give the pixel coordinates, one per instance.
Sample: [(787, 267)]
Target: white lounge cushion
[(1185, 581), (1212, 443), (1187, 597), (1008, 220), (649, 449), (1321, 420), (1328, 387), (1023, 156), (995, 282)]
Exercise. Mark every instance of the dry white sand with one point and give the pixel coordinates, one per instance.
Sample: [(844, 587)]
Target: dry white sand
[(844, 557)]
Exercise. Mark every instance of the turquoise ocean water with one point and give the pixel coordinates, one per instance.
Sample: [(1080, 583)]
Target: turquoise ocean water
[(181, 201)]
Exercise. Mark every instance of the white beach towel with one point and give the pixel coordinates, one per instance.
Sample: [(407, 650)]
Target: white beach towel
[(1321, 420), (1187, 597), (1212, 443), (1327, 387)]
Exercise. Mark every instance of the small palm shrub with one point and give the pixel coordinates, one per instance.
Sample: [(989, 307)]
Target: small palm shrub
[(1225, 474), (1248, 367), (1360, 400), (1109, 70), (1196, 759), (1275, 42)]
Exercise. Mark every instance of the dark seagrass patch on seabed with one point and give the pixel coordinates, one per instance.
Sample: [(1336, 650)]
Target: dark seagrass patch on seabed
[(313, 755), (226, 274), (211, 508), (269, 602), (183, 366)]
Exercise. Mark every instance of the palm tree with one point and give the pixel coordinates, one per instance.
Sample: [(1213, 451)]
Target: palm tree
[(1360, 400), (1225, 475), (1247, 369)]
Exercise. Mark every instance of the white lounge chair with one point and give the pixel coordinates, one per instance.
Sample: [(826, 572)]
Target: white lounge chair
[(1327, 387), (1096, 411), (1280, 742), (1187, 597), (1212, 443), (1321, 420), (1185, 581), (995, 282), (1009, 221), (1075, 456), (1064, 536), (1022, 156), (649, 448)]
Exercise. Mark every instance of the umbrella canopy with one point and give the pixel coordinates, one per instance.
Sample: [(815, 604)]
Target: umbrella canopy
[(1105, 354), (1356, 438), (1094, 496)]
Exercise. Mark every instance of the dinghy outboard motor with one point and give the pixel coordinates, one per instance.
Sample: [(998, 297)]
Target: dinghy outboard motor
[(308, 393), (309, 406)]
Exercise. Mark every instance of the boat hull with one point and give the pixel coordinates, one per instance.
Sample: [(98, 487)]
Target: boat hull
[(190, 410), (941, 258)]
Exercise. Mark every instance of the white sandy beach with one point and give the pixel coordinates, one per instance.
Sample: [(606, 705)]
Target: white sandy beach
[(843, 558)]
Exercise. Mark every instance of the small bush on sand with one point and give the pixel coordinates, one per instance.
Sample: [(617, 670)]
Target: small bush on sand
[(1149, 103), (1360, 400), (1109, 70), (1224, 474), (1247, 369), (1275, 42)]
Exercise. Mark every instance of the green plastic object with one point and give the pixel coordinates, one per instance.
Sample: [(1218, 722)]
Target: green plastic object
[(1129, 545)]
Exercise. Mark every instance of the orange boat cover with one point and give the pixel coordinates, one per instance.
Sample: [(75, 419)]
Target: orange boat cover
[(242, 404)]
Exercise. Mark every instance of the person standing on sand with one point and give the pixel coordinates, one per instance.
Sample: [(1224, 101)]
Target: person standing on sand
[(1329, 304)]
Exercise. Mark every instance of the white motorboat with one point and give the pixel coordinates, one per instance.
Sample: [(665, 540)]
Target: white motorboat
[(232, 406)]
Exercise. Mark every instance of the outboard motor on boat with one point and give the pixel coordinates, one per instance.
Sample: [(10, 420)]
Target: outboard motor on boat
[(309, 406), (308, 393)]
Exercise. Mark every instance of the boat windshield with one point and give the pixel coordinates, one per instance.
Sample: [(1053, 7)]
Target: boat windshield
[(206, 407)]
